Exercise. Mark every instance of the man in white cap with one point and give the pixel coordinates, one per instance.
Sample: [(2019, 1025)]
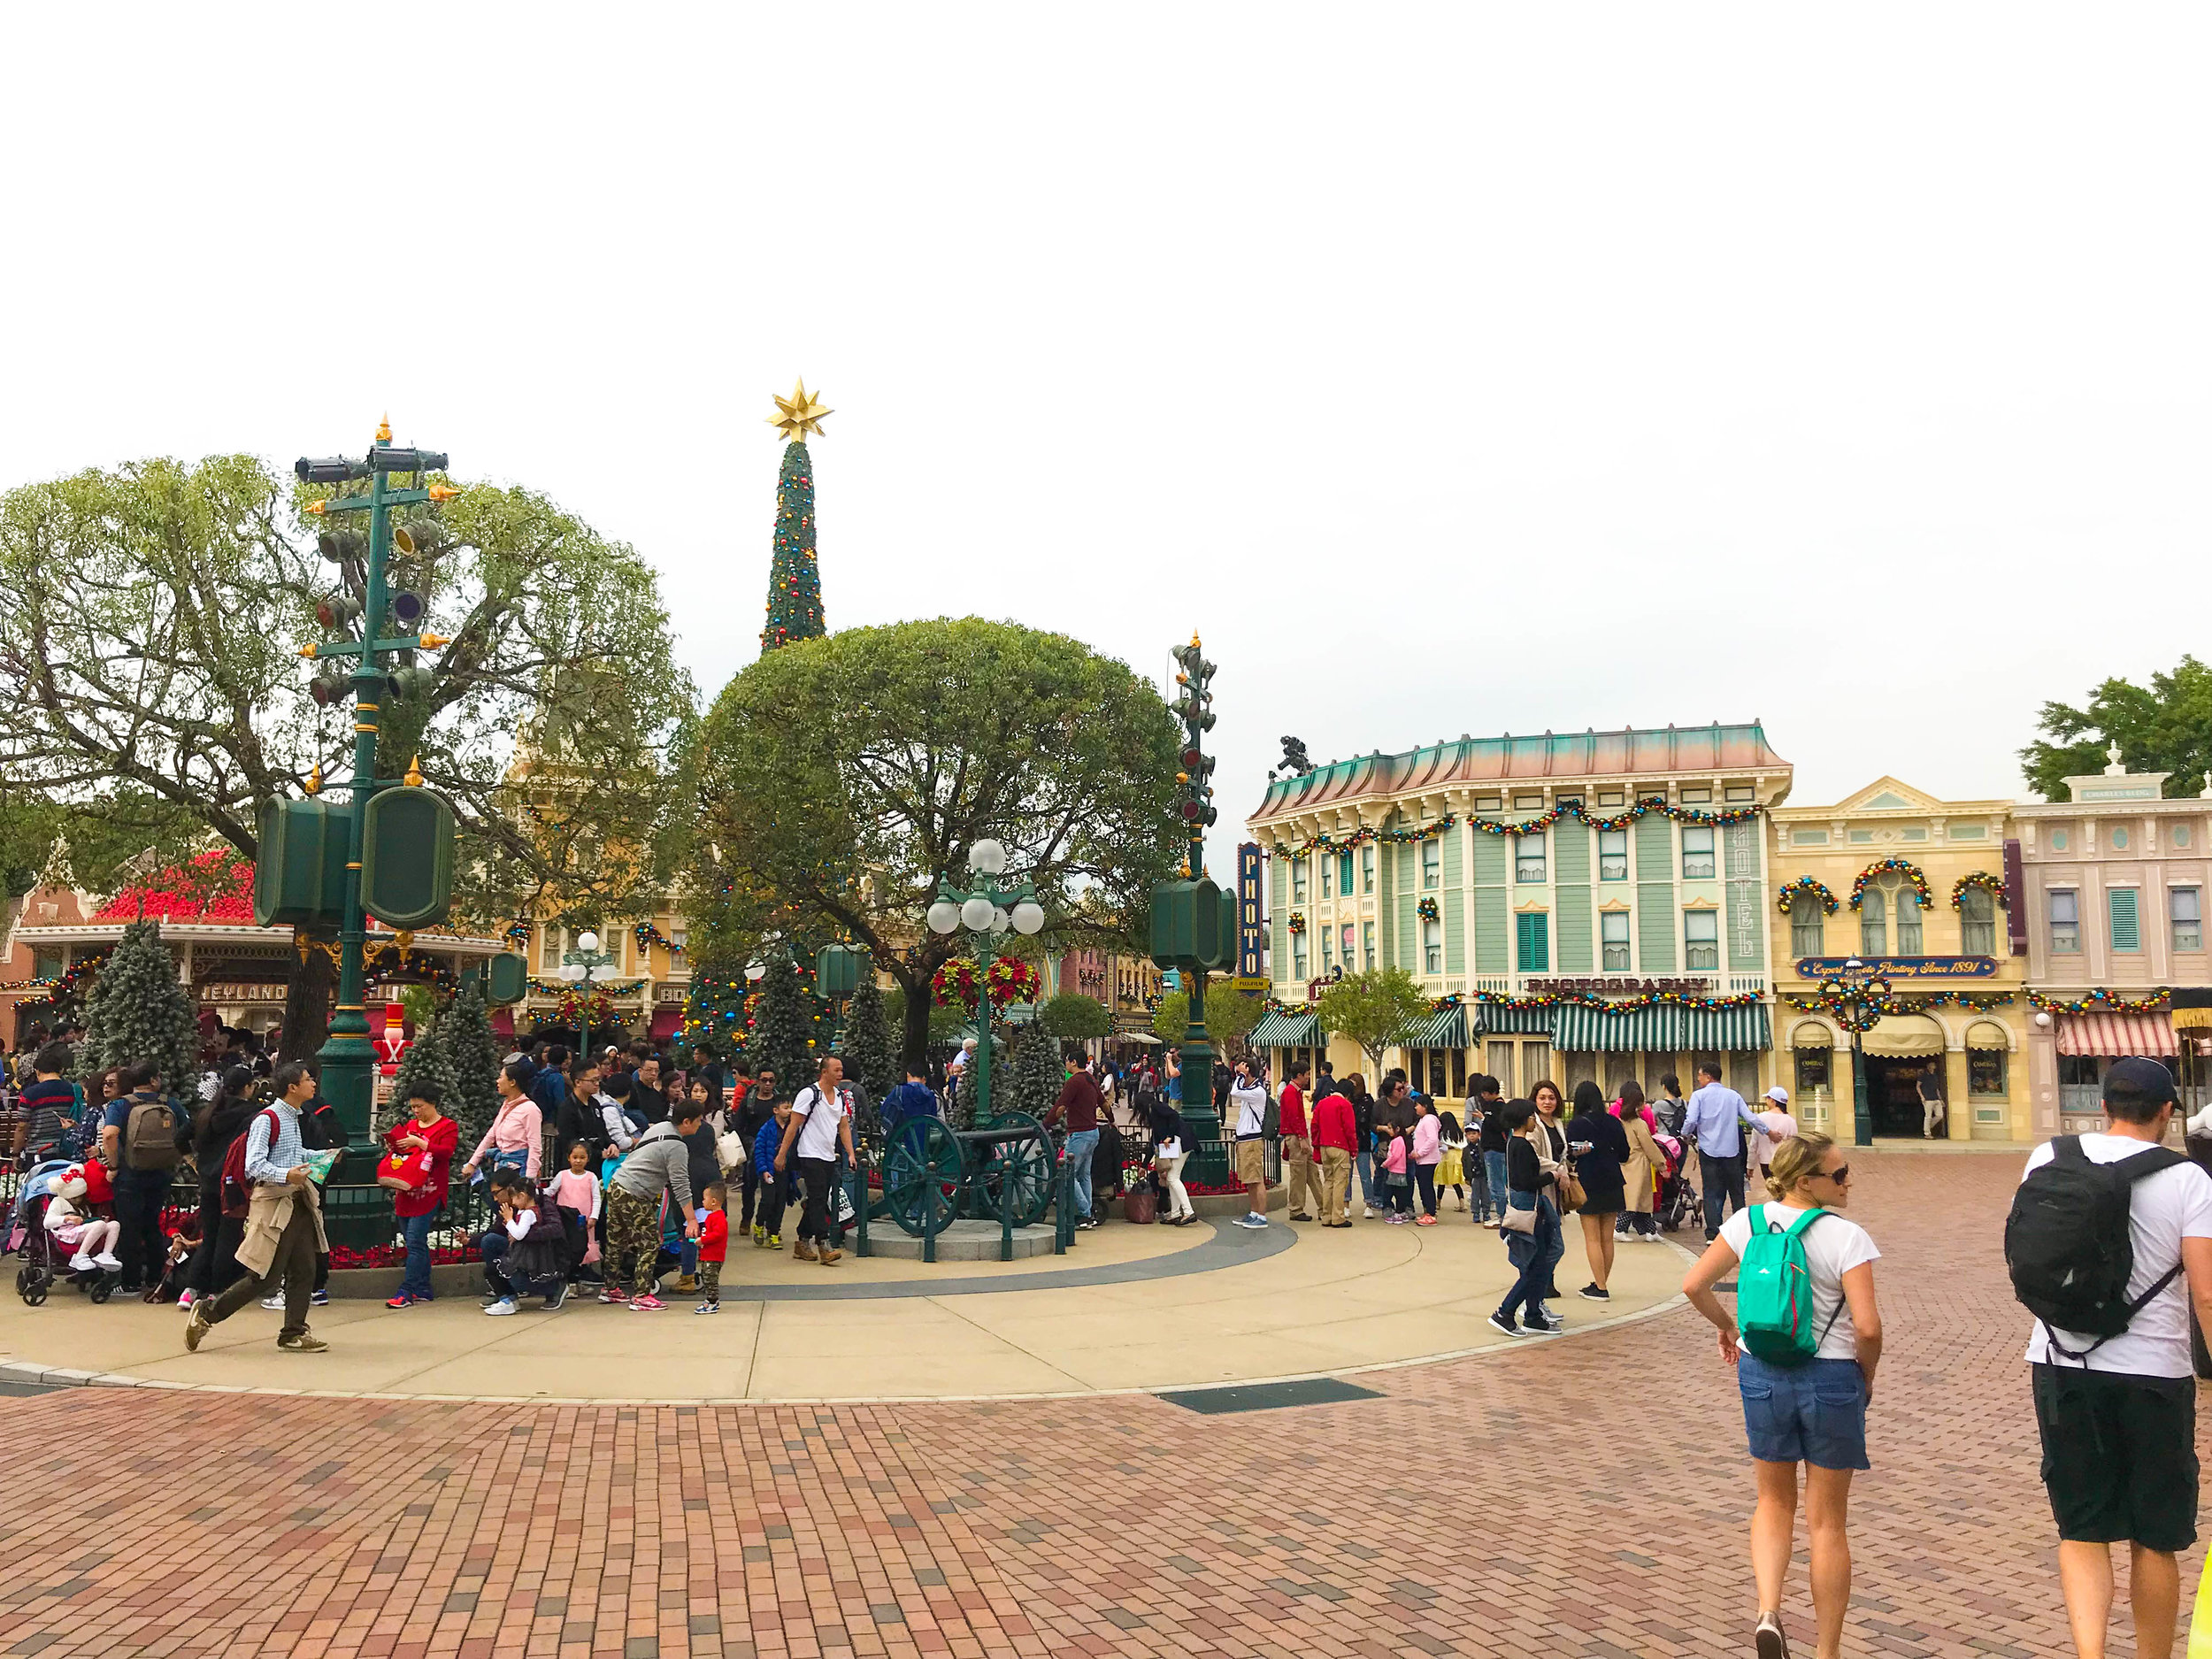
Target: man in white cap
[(1776, 1126)]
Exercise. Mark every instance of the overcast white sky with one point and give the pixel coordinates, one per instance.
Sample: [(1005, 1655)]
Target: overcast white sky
[(1456, 368)]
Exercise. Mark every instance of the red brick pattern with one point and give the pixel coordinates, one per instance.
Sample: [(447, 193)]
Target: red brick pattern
[(187, 1524)]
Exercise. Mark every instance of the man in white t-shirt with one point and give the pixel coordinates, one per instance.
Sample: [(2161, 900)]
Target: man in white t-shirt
[(821, 1123), (2117, 1414), (1776, 1126)]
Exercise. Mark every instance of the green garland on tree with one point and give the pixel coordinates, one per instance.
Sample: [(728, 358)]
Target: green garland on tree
[(139, 1014), (781, 1037), (795, 581), (464, 1030)]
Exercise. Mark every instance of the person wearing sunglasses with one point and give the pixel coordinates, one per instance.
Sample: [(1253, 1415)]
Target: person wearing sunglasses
[(1812, 1412)]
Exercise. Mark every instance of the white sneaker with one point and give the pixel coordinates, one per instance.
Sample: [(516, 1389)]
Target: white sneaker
[(80, 1262), (505, 1305), (109, 1260), (274, 1304), (1367, 1214)]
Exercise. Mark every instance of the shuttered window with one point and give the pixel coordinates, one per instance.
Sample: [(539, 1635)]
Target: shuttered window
[(1534, 951), (1344, 875), (2127, 931)]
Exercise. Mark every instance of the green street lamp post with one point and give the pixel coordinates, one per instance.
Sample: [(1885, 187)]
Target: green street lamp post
[(1857, 999), (577, 967), (987, 911), (348, 1058)]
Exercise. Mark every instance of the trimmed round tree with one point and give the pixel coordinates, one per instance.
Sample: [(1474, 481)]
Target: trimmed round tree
[(795, 581), (138, 1013)]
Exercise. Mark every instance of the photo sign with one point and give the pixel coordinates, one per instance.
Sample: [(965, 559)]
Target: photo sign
[(1900, 967)]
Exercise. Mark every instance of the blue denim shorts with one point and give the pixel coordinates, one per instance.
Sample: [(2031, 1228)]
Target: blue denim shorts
[(1813, 1413)]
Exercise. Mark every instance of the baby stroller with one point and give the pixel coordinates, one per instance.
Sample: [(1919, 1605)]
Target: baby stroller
[(45, 1258), (1676, 1204)]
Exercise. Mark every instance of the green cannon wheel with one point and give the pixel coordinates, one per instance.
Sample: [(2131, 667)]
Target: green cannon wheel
[(1018, 1156), (922, 1175)]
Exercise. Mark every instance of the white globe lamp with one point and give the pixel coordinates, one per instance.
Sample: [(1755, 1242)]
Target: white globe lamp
[(944, 915), (1029, 915), (976, 914), (988, 857)]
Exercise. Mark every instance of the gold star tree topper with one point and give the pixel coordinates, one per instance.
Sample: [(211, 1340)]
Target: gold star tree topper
[(799, 414)]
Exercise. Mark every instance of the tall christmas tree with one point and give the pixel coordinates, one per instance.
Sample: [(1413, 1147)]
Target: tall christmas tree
[(139, 1013), (1039, 1072), (782, 1039), (795, 581), (465, 1031), (871, 1057)]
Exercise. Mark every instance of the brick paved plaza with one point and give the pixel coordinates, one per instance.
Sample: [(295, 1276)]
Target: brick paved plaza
[(157, 1523)]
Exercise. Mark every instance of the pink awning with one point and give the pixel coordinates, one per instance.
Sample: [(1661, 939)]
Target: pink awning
[(2114, 1035), (503, 1022), (666, 1023)]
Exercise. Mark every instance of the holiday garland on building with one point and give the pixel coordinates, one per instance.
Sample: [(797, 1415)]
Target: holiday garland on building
[(1427, 910), (139, 1014), (795, 581), (1904, 867), (1696, 817), (1995, 886), (1789, 890), (2100, 1001)]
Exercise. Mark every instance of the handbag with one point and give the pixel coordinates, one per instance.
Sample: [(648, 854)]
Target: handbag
[(404, 1171), (1522, 1221), (1569, 1192)]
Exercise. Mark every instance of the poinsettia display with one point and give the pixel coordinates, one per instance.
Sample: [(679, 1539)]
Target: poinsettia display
[(1008, 980), (217, 886)]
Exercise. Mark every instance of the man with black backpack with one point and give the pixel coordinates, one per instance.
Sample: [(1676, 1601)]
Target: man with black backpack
[(139, 1143), (2109, 1242)]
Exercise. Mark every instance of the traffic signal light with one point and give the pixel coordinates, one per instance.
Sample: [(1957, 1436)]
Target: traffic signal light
[(339, 611), (328, 470), (328, 687), (386, 459), (412, 685), (340, 546), (406, 607)]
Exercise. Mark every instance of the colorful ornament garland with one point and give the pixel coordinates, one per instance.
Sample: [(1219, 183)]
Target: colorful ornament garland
[(604, 987), (1789, 890), (2100, 1001), (55, 986), (1995, 886), (1917, 1001), (1591, 999), (1694, 815), (1900, 866), (1427, 910), (648, 935), (1298, 921), (518, 932), (1006, 980)]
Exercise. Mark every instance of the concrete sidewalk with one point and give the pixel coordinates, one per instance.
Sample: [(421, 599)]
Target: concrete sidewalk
[(1182, 1308)]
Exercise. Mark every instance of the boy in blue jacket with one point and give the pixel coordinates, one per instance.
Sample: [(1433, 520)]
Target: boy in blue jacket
[(774, 1189)]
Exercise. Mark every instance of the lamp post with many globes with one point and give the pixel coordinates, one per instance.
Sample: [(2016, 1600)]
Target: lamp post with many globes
[(577, 967), (1857, 998), (987, 911)]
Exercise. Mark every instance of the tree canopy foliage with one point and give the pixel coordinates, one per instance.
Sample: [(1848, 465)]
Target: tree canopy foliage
[(841, 779), (1076, 1016), (1375, 1010), (2166, 727)]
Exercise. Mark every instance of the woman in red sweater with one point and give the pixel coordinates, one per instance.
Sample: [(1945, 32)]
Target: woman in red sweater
[(428, 1130)]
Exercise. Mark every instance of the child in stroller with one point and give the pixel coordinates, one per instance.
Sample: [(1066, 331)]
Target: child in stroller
[(1676, 1203), (55, 1231)]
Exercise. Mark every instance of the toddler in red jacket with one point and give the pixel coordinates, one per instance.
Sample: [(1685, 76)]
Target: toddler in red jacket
[(714, 1248)]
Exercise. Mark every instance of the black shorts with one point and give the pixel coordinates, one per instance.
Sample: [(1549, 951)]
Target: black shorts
[(2119, 1455)]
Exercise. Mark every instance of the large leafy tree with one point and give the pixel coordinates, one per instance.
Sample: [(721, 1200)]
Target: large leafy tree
[(2164, 727), (1075, 1016), (1375, 1009), (151, 693), (1229, 1015), (840, 779)]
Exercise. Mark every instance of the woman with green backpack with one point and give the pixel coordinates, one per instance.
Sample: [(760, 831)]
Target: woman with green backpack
[(1805, 1339)]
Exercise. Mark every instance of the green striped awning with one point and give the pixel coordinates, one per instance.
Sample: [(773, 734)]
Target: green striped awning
[(1445, 1029), (1663, 1027), (1286, 1031), (1488, 1018)]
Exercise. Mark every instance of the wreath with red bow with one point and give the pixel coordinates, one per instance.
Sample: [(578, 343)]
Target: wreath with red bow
[(1007, 979)]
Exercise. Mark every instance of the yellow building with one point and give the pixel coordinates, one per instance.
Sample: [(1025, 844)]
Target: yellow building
[(1914, 887)]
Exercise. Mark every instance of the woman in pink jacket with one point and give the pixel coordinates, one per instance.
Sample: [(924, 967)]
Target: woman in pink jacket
[(517, 1133)]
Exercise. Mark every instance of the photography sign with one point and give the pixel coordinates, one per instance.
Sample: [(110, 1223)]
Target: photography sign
[(1900, 967)]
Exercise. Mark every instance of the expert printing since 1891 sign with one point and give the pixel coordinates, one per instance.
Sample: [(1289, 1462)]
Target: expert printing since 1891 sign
[(1900, 967)]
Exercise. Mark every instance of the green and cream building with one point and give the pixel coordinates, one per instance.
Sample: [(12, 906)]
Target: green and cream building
[(1580, 948)]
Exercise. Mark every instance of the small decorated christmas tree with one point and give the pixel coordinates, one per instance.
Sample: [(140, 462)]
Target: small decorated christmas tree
[(465, 1031), (714, 1010), (871, 1058), (1038, 1073), (782, 1035), (428, 1061), (138, 1013)]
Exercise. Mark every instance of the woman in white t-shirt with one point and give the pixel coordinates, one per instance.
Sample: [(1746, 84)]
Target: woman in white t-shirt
[(1813, 1412)]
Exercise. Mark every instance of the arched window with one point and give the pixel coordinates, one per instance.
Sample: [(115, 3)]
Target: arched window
[(1977, 923), (1884, 896), (1809, 920)]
